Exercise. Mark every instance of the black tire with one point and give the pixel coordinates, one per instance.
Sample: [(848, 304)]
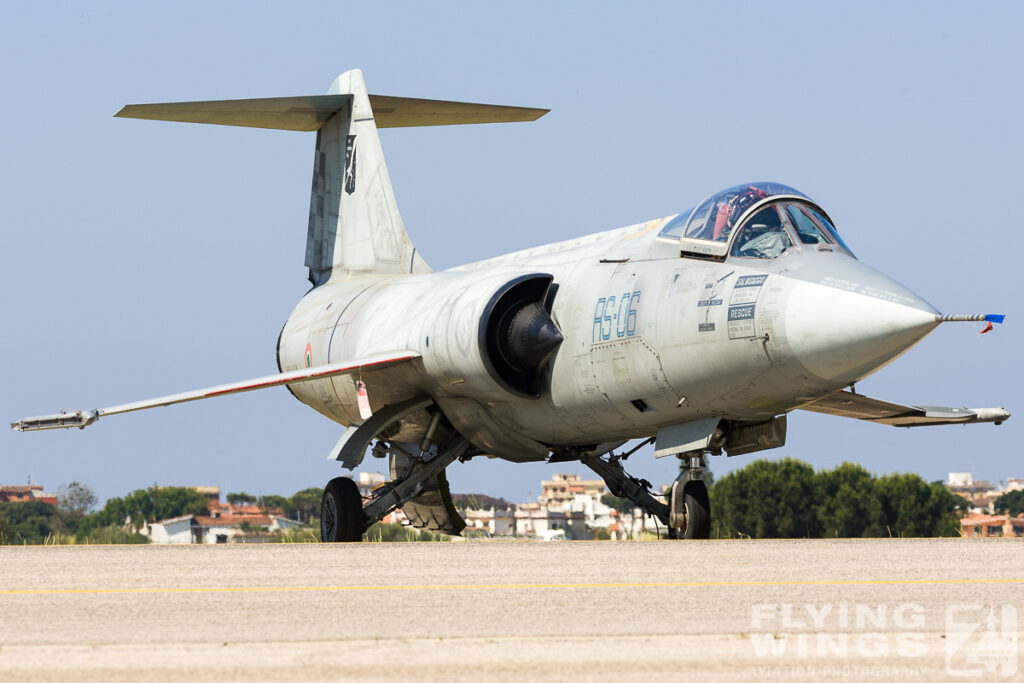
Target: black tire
[(341, 512), (698, 511)]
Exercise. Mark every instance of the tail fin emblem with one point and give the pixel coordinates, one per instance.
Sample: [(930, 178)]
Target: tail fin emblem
[(350, 164)]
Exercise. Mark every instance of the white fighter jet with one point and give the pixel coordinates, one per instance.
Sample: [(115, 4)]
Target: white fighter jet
[(698, 332)]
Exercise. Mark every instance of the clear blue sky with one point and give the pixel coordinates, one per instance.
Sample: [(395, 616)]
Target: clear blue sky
[(142, 258)]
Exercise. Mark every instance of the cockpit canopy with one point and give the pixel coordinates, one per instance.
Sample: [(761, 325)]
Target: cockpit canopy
[(757, 220)]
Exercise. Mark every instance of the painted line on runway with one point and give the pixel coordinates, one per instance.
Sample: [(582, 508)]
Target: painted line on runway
[(505, 586)]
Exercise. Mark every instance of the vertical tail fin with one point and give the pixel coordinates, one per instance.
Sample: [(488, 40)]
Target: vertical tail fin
[(354, 224)]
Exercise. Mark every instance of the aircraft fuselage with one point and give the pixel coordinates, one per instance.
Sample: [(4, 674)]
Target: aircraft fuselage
[(650, 339)]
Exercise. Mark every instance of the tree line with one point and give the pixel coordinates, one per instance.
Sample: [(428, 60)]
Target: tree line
[(789, 499), (121, 519), (766, 499)]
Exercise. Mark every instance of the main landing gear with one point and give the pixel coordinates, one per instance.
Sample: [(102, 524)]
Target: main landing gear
[(417, 485), (344, 516), (341, 511), (688, 512)]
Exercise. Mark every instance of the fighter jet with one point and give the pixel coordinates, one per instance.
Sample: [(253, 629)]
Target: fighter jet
[(697, 332)]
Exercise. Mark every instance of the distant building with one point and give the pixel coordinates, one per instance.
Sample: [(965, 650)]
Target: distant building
[(564, 488), (980, 494), (537, 521), (223, 523), (22, 494), (241, 528), (176, 530), (219, 509), (211, 492), (221, 529), (976, 525), (495, 521)]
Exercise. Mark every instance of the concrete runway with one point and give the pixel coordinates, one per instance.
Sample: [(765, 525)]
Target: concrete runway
[(716, 610)]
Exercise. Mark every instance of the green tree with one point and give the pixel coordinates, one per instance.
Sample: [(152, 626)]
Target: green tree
[(766, 499), (143, 506), (31, 521), (270, 502), (113, 534), (787, 499), (307, 503), (1011, 502), (845, 501), (7, 534), (910, 507), (241, 498), (74, 501)]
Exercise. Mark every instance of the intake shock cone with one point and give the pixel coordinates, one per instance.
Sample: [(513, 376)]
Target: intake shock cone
[(531, 339)]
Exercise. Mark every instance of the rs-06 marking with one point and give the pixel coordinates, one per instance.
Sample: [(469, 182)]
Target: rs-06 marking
[(618, 315)]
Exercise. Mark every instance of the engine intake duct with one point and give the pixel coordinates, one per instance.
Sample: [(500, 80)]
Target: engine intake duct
[(518, 336)]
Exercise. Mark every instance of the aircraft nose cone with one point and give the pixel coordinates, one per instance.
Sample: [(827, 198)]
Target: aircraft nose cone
[(842, 336)]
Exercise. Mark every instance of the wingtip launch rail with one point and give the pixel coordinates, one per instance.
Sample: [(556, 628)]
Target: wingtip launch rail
[(860, 407), (84, 418)]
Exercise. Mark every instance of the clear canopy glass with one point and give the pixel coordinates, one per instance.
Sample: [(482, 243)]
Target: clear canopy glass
[(712, 229), (715, 217)]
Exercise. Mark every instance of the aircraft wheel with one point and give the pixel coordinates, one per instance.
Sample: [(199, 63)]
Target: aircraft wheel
[(698, 512), (341, 512)]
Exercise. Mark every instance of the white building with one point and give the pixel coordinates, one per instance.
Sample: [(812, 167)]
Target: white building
[(537, 521), (222, 529), (495, 521), (173, 530)]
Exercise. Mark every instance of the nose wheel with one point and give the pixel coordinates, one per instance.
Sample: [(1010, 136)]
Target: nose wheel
[(690, 515)]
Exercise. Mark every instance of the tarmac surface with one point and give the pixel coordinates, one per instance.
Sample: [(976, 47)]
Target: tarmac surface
[(919, 609)]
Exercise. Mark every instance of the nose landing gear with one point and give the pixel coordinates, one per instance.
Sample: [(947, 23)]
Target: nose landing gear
[(688, 513)]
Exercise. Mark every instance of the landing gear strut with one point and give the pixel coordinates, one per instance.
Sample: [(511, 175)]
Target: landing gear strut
[(688, 514)]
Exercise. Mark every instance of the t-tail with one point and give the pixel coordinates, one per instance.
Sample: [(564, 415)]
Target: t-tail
[(354, 224)]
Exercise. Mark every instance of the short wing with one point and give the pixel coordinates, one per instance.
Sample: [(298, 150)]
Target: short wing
[(84, 418), (849, 404)]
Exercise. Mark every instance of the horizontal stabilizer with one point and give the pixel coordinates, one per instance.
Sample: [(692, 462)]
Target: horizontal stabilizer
[(849, 404), (309, 113), (84, 418)]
